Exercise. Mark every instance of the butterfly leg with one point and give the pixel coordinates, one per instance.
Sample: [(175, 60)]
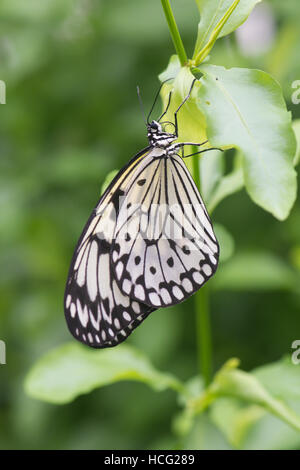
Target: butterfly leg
[(201, 151), (173, 148), (168, 105), (185, 99)]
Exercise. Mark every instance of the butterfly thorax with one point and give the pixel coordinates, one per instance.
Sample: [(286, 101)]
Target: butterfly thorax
[(160, 139)]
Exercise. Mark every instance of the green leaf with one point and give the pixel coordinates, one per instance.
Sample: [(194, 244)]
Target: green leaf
[(272, 434), (211, 172), (191, 122), (281, 378), (203, 53), (223, 186), (255, 271), (296, 128), (226, 242), (108, 179), (245, 109), (172, 69), (251, 427), (72, 369), (246, 426), (235, 383), (204, 435), (245, 386), (235, 419), (228, 185), (211, 12)]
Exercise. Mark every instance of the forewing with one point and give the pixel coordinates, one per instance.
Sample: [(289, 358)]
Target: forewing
[(164, 248), (98, 313)]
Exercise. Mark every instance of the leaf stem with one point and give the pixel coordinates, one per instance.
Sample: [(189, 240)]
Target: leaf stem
[(202, 307), (177, 41), (198, 58)]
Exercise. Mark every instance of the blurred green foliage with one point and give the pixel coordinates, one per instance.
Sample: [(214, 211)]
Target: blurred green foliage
[(72, 116)]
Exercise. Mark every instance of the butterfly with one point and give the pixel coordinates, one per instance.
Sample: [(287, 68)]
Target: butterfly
[(149, 243)]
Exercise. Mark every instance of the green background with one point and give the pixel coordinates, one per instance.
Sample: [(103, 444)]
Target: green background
[(72, 115)]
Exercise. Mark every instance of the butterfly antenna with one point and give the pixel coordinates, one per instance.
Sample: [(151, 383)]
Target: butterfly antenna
[(156, 96), (141, 103)]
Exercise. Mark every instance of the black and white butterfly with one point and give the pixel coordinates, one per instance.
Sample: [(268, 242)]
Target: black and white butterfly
[(149, 243)]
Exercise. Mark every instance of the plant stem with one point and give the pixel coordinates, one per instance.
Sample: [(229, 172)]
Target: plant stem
[(195, 168), (177, 41), (203, 332), (202, 307), (201, 298)]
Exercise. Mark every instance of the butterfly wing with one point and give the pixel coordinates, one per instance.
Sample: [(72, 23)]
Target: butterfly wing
[(164, 248), (97, 312)]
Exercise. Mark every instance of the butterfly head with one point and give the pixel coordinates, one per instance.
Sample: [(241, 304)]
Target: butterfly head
[(158, 137)]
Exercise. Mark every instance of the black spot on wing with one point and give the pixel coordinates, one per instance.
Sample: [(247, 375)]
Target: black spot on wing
[(103, 244), (117, 199), (170, 262), (186, 250)]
